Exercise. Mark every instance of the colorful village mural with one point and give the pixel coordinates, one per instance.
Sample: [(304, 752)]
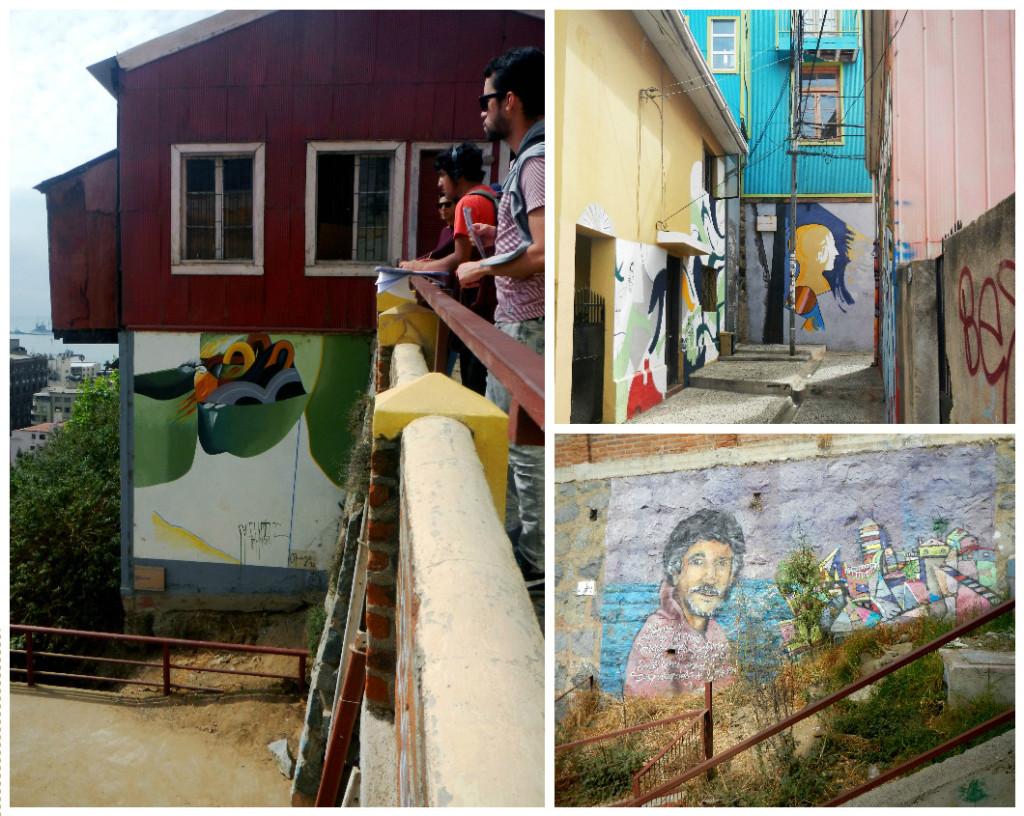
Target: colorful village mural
[(676, 609), (643, 286), (240, 443), (835, 285)]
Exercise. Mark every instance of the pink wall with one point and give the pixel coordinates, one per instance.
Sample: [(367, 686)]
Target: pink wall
[(953, 130)]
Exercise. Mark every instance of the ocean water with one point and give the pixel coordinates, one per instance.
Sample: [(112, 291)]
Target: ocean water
[(47, 344)]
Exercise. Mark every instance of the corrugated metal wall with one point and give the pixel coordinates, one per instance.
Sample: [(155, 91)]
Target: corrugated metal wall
[(953, 129), (842, 171), (285, 79)]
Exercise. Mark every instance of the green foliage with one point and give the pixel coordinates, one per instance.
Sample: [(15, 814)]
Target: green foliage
[(802, 584), (599, 773), (315, 619), (65, 520)]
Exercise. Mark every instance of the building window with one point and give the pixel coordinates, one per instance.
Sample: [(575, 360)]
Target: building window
[(217, 200), (708, 172), (723, 44), (353, 206), (826, 22), (819, 103)]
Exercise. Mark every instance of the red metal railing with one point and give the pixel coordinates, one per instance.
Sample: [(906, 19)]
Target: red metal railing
[(584, 680), (671, 752), (518, 368), (814, 708), (165, 664)]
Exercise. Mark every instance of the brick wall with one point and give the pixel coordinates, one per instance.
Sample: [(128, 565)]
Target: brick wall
[(575, 449), (382, 563)]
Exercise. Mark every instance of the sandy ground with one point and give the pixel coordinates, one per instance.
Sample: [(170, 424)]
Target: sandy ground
[(137, 748), (111, 752)]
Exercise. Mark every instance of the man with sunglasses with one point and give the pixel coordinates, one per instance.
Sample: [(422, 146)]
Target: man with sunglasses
[(446, 240), (460, 175), (512, 110)]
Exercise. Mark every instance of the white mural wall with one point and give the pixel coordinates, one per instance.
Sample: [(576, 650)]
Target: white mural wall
[(641, 307), (236, 454)]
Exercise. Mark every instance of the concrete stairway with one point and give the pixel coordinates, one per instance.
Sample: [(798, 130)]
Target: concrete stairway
[(980, 777)]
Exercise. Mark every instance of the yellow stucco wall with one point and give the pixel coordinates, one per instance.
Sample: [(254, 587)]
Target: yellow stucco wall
[(618, 151)]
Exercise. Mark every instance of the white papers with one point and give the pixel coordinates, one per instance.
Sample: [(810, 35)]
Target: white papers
[(388, 276)]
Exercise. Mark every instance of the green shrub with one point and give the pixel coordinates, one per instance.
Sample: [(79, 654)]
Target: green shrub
[(65, 522), (316, 617)]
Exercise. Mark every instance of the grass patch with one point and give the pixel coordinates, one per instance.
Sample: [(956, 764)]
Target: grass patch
[(316, 617)]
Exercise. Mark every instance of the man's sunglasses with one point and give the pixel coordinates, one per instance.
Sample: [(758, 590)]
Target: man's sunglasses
[(487, 97), (441, 205)]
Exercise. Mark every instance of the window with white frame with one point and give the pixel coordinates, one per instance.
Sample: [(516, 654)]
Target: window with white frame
[(723, 44), (353, 206), (217, 199), (817, 20)]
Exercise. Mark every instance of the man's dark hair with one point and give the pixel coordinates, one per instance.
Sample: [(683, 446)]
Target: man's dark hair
[(520, 71), (462, 161), (704, 525)]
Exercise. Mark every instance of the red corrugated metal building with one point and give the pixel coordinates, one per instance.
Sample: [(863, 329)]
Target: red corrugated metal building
[(284, 88)]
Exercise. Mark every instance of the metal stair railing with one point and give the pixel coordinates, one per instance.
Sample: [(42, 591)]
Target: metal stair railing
[(814, 708)]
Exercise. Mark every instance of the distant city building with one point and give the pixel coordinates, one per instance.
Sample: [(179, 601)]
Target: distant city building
[(28, 375), (31, 438), (53, 404)]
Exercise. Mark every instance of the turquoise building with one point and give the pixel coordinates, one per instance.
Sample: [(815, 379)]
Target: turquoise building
[(750, 55)]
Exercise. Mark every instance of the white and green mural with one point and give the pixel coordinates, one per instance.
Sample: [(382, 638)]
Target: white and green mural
[(644, 284), (239, 445)]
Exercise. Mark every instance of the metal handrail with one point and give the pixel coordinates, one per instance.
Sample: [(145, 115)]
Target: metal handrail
[(166, 643), (584, 680), (814, 708), (518, 368)]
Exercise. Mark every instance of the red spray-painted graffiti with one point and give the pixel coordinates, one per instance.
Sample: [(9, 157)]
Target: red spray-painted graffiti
[(986, 346)]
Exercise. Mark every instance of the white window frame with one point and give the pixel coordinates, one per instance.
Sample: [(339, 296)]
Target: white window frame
[(813, 22), (180, 265), (342, 268)]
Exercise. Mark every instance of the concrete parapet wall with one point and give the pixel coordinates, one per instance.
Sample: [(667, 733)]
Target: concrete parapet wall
[(460, 685), (917, 325), (979, 304), (407, 364)]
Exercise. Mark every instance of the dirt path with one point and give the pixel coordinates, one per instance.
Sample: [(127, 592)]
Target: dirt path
[(91, 748)]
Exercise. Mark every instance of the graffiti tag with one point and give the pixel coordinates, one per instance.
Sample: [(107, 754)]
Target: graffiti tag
[(253, 536), (988, 326)]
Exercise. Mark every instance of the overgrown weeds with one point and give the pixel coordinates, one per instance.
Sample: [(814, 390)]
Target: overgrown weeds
[(905, 714)]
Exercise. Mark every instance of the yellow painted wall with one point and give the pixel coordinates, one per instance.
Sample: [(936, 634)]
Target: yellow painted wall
[(616, 150)]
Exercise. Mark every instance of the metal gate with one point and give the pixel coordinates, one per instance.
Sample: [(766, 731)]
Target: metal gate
[(587, 357)]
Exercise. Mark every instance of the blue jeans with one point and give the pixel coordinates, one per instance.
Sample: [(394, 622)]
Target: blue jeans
[(524, 494)]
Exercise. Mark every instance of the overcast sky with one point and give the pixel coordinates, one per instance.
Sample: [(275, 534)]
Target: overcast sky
[(61, 117)]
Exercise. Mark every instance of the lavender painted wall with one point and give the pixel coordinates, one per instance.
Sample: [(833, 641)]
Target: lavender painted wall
[(899, 533)]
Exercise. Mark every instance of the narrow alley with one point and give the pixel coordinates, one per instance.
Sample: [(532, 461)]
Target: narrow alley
[(764, 384)]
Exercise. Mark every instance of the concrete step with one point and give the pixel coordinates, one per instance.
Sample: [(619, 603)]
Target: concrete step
[(980, 777)]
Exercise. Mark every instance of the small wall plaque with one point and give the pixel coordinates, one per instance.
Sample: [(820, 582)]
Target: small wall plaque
[(150, 579)]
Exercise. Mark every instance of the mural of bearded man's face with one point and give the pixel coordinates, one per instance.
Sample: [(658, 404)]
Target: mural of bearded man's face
[(703, 580)]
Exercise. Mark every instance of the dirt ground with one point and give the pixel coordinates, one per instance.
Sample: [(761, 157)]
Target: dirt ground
[(137, 748)]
